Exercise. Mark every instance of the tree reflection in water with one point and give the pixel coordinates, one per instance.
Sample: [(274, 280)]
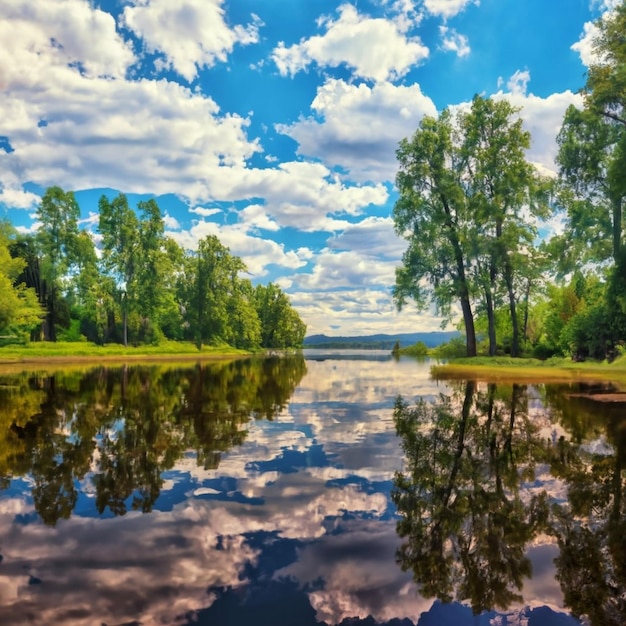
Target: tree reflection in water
[(591, 530), (122, 428), (468, 512)]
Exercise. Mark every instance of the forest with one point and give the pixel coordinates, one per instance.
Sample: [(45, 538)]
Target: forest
[(477, 217), (140, 287)]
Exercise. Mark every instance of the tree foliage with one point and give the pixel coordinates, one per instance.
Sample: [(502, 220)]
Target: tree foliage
[(140, 287), (468, 205), (19, 305)]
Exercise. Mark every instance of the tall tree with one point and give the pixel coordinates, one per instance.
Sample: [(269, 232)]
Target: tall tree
[(468, 205), (506, 196), (119, 227), (432, 213), (151, 267), (210, 278), (58, 215), (281, 326)]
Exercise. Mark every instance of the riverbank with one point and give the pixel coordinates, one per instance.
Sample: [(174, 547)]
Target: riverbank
[(506, 369), (83, 352)]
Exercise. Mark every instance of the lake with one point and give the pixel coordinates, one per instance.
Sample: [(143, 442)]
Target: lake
[(335, 488)]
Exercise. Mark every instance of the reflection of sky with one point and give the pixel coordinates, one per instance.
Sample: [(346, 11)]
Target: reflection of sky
[(295, 526)]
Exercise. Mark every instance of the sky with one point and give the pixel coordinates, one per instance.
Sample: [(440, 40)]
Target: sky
[(272, 124)]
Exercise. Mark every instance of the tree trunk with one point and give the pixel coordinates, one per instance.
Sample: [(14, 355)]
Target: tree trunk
[(617, 227), (466, 307), (508, 277), (526, 304), (468, 320), (491, 319)]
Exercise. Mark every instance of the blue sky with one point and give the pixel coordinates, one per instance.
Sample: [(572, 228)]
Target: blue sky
[(271, 123)]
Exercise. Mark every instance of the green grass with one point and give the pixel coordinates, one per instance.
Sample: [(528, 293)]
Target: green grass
[(530, 370), (82, 350)]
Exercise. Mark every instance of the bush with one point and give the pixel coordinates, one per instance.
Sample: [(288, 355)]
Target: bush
[(454, 349)]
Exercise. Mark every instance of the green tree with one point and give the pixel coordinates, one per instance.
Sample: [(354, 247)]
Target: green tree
[(19, 305), (591, 159), (119, 227), (209, 282), (506, 197), (244, 329), (468, 205), (433, 214), (605, 91), (170, 313), (58, 214), (281, 326), (151, 285)]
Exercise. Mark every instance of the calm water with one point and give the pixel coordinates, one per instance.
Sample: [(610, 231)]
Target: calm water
[(291, 491)]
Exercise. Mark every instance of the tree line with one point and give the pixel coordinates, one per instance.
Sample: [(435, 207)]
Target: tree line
[(475, 213), (139, 287)]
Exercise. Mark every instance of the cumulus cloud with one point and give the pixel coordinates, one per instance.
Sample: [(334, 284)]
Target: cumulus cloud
[(191, 34), (447, 8), (60, 33), (585, 45), (518, 83), (13, 198), (358, 127), (374, 48), (369, 235), (70, 125), (454, 42), (362, 311), (302, 194)]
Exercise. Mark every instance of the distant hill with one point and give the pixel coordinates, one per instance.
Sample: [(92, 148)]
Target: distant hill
[(380, 342)]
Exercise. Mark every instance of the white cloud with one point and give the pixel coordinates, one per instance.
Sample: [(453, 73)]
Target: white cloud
[(73, 119), (375, 48), (518, 83), (543, 118), (305, 195), (373, 235), (88, 140), (255, 217), (170, 222), (58, 33), (358, 311), (584, 46), (13, 198), (347, 269), (454, 42), (447, 8), (205, 212), (192, 34), (361, 126)]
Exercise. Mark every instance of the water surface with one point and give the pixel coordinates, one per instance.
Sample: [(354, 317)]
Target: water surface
[(291, 491)]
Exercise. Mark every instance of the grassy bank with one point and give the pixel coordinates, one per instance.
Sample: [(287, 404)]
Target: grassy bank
[(507, 369), (37, 352)]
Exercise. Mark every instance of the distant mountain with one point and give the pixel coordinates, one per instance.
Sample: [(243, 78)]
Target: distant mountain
[(380, 342)]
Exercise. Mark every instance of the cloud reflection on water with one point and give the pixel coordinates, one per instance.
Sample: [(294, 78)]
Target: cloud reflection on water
[(302, 504)]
